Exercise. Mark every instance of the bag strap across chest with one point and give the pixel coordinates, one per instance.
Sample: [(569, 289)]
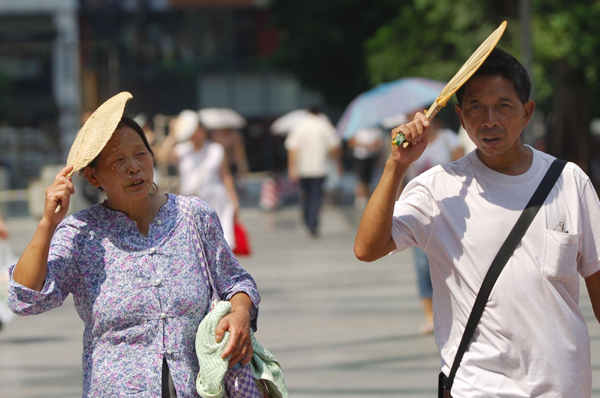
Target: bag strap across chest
[(506, 251)]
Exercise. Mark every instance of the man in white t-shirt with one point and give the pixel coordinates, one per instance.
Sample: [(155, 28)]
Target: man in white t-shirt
[(532, 339), (309, 145)]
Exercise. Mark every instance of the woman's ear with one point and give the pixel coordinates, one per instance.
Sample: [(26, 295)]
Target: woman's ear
[(90, 174)]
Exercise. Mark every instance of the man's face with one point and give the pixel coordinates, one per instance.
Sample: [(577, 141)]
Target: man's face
[(494, 116)]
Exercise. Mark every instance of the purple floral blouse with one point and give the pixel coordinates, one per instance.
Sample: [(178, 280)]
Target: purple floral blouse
[(141, 298)]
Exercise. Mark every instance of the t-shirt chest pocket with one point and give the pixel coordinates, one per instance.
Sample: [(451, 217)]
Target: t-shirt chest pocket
[(560, 254)]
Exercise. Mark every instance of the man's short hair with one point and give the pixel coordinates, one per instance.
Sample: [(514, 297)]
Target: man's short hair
[(502, 63)]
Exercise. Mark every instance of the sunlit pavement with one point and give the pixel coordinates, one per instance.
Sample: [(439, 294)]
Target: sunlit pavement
[(339, 327)]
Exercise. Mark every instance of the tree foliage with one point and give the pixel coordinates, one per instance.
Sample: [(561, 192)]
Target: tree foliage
[(432, 38), (567, 33), (343, 47), (566, 44)]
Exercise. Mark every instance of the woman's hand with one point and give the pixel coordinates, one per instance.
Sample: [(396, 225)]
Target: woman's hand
[(31, 268), (58, 193), (240, 342)]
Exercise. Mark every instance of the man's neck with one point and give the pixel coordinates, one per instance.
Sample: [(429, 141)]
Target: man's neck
[(513, 164)]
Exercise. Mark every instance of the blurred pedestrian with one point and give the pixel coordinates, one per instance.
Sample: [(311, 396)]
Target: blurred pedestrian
[(309, 145), (146, 124), (232, 141), (203, 169), (443, 146), (532, 339), (134, 273), (366, 146)]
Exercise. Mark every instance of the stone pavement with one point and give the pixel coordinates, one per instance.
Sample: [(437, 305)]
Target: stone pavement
[(339, 327)]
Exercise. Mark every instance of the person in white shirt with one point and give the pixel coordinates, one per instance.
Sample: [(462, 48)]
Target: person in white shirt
[(203, 169), (532, 339), (366, 145), (309, 144)]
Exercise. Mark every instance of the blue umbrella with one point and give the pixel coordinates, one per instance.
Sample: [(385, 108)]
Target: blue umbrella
[(387, 100)]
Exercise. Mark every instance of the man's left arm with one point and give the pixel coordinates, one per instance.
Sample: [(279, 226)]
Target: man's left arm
[(593, 286)]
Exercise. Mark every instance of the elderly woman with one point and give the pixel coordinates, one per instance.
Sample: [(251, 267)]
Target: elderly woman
[(135, 276)]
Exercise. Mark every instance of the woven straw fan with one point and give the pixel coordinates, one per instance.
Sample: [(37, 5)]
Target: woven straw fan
[(460, 78), (96, 132)]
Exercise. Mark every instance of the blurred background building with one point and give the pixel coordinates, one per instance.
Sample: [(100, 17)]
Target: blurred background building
[(62, 58), (263, 58)]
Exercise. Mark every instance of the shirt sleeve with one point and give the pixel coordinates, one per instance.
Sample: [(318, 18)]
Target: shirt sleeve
[(228, 275), (414, 215), (589, 262), (61, 275)]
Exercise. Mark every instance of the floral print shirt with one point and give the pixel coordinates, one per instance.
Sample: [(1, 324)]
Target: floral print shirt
[(141, 298)]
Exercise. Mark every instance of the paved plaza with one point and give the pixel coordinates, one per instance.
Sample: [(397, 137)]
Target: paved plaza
[(339, 327)]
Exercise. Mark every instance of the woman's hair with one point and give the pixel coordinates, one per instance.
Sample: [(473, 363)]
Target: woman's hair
[(502, 63)]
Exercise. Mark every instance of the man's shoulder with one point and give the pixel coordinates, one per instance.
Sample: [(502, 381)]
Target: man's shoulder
[(441, 175), (571, 169), (449, 170)]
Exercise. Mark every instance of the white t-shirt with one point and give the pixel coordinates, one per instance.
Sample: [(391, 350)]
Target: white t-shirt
[(532, 339), (312, 140), (438, 151)]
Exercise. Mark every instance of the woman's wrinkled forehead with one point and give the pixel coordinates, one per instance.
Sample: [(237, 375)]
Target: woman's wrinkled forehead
[(123, 138)]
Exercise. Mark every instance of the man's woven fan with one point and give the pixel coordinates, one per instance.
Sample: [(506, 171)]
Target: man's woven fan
[(463, 74), (96, 132)]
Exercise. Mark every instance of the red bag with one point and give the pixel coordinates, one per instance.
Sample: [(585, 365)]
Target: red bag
[(242, 243)]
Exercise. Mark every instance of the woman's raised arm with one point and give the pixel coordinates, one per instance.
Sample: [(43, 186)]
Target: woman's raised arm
[(30, 270)]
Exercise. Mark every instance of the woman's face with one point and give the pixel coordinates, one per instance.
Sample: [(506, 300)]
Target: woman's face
[(124, 167)]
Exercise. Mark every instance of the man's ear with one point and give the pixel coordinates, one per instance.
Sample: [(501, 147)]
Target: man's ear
[(90, 174), (529, 108), (458, 110)]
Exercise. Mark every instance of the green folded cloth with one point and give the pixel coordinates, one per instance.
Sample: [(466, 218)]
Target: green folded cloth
[(209, 383), (264, 365), (266, 369)]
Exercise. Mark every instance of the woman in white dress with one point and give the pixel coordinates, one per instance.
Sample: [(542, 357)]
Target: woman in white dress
[(203, 168)]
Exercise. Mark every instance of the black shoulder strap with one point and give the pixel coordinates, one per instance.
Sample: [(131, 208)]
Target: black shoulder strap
[(506, 251)]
